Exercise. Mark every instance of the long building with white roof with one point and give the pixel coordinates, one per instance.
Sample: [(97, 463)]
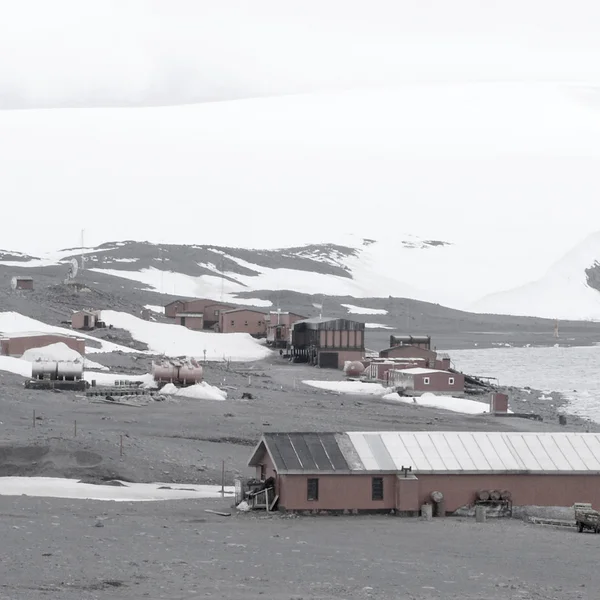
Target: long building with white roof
[(399, 470)]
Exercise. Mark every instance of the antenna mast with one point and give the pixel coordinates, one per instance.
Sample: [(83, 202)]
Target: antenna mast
[(82, 252)]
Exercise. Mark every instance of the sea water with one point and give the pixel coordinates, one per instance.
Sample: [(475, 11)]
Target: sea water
[(572, 371)]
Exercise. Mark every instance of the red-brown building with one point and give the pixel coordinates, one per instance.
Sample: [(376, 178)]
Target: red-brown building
[(417, 381), (379, 368), (212, 314), (85, 319), (279, 325), (410, 352), (399, 471), (17, 344), (328, 342), (173, 308), (191, 320), (243, 320)]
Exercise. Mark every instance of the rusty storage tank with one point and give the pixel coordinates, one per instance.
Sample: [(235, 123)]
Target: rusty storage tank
[(178, 372), (66, 370), (354, 368)]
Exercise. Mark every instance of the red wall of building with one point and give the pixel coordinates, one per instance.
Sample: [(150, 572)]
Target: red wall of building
[(175, 307), (348, 492), (16, 346), (243, 321), (439, 382)]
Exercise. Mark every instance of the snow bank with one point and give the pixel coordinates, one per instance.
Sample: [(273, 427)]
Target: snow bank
[(12, 323), (349, 387), (361, 310), (15, 365), (199, 391), (54, 487), (460, 405), (60, 351), (175, 340)]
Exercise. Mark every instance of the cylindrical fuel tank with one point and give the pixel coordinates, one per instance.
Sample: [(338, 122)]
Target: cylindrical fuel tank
[(190, 372), (165, 371), (43, 369), (71, 370), (62, 369)]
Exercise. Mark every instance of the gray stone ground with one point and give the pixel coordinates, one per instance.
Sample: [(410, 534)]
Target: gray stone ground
[(54, 548)]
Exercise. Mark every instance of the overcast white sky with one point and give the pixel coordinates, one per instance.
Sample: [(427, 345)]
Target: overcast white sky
[(516, 163)]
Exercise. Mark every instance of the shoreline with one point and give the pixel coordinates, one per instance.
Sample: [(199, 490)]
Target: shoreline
[(550, 406)]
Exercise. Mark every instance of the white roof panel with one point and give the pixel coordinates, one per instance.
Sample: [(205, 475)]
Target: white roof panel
[(447, 451)]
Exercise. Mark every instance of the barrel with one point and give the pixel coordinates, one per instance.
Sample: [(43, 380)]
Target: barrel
[(495, 495), (480, 514), (426, 511), (483, 495)]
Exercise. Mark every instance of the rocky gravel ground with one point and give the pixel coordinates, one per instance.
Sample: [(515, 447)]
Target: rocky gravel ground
[(84, 550)]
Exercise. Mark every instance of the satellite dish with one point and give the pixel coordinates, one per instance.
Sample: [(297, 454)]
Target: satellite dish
[(73, 269), (13, 283)]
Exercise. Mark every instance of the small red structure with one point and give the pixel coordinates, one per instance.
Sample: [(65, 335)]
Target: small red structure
[(243, 320), (498, 402), (16, 345), (85, 319), (191, 320), (418, 381), (173, 308), (279, 325), (21, 283), (354, 368)]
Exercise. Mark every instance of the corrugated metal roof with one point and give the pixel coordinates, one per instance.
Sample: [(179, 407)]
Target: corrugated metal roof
[(478, 451), (433, 452), (306, 452)]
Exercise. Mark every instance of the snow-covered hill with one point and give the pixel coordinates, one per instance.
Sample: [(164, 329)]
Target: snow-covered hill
[(569, 290)]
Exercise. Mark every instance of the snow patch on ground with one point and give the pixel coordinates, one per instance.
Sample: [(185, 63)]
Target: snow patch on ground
[(15, 365), (156, 309), (199, 391), (60, 352), (175, 340), (361, 310), (349, 387), (459, 405), (54, 487), (377, 326)]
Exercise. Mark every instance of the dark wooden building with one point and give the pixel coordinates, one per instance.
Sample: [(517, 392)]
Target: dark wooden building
[(327, 342)]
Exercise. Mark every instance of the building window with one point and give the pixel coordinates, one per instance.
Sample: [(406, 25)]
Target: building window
[(232, 323), (260, 322), (246, 323), (377, 488), (425, 380), (450, 380), (312, 489), (216, 313)]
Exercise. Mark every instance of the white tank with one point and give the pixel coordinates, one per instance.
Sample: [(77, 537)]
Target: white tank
[(182, 372), (71, 370)]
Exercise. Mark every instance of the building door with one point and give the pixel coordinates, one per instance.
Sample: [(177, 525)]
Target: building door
[(86, 321), (182, 321), (328, 360)]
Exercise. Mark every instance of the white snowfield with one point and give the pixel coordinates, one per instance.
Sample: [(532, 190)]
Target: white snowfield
[(13, 323), (459, 405), (438, 144), (362, 310), (55, 487), (199, 391), (349, 387), (562, 293), (60, 352), (175, 340)]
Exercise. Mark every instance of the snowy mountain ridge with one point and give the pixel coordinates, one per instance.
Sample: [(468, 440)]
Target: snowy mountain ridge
[(450, 274)]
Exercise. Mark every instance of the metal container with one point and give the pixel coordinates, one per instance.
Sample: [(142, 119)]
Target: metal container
[(178, 372), (70, 370), (354, 368)]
